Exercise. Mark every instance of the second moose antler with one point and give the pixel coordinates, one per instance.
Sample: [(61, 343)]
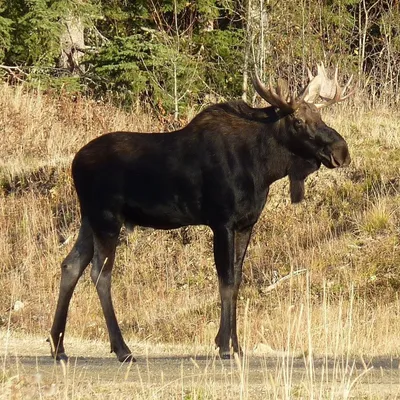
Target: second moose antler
[(319, 86), (328, 89)]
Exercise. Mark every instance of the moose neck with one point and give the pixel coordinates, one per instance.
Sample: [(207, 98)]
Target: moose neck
[(279, 156), (282, 134)]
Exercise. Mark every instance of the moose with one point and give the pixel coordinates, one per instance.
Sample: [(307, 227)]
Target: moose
[(216, 171)]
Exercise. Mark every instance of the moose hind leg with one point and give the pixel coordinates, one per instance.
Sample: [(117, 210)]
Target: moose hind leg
[(103, 260), (71, 270)]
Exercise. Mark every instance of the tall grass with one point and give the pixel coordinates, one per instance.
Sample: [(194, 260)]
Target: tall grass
[(345, 234), (325, 353)]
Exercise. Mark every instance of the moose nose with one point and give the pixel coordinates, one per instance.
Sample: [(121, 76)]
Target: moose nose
[(340, 155), (347, 160)]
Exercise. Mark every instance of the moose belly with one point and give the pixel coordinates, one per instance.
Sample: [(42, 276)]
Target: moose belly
[(162, 216)]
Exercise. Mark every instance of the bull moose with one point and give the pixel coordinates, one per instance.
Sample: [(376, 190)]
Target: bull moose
[(216, 171)]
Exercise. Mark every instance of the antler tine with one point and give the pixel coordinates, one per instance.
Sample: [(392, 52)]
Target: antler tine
[(313, 88), (282, 93), (321, 69), (339, 92), (272, 96), (282, 89), (310, 75), (271, 87), (259, 86), (278, 90)]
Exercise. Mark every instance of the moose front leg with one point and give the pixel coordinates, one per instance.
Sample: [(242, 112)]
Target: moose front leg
[(242, 239), (229, 251)]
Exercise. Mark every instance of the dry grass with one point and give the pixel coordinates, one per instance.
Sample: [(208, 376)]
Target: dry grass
[(346, 234)]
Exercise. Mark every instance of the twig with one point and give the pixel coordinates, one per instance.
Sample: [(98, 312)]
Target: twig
[(100, 35), (12, 70), (285, 278)]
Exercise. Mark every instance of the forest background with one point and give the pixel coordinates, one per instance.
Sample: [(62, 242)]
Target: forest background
[(175, 54)]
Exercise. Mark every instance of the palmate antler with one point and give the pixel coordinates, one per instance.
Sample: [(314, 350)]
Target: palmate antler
[(319, 86), (325, 88)]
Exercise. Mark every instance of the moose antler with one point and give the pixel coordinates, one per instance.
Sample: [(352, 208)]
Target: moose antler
[(278, 97), (328, 89), (319, 86)]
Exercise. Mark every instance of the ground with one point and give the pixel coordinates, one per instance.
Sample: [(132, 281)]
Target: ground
[(175, 372)]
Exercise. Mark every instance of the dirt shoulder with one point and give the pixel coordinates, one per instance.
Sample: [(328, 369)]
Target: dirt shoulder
[(162, 373)]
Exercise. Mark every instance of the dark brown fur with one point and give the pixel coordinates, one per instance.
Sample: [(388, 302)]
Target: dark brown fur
[(216, 171)]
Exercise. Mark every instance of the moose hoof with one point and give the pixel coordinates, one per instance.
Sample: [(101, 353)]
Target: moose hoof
[(238, 351), (60, 357), (127, 358), (225, 354)]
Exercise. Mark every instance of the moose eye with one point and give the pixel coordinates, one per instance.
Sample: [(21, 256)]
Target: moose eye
[(298, 123)]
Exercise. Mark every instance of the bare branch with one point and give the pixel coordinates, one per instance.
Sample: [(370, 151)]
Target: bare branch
[(270, 288)]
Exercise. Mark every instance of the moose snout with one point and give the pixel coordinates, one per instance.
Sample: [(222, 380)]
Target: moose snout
[(340, 156), (336, 155)]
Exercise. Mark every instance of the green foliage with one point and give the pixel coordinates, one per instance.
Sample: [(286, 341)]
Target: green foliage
[(31, 29), (176, 52), (208, 8), (155, 67), (141, 66), (172, 5), (60, 84), (5, 35), (116, 67), (223, 56), (35, 33), (122, 18)]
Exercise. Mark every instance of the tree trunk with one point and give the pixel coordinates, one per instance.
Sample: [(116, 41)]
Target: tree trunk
[(72, 45)]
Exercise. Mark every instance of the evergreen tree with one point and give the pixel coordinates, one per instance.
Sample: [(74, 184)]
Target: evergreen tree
[(178, 52)]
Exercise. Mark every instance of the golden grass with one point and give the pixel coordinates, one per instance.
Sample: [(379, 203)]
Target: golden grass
[(346, 234), (342, 329)]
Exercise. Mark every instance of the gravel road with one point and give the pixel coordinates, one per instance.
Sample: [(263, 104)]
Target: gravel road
[(192, 377)]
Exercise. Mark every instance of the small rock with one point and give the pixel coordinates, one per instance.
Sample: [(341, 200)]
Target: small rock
[(18, 306)]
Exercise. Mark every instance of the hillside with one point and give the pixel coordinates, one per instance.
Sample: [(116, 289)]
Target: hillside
[(345, 234)]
